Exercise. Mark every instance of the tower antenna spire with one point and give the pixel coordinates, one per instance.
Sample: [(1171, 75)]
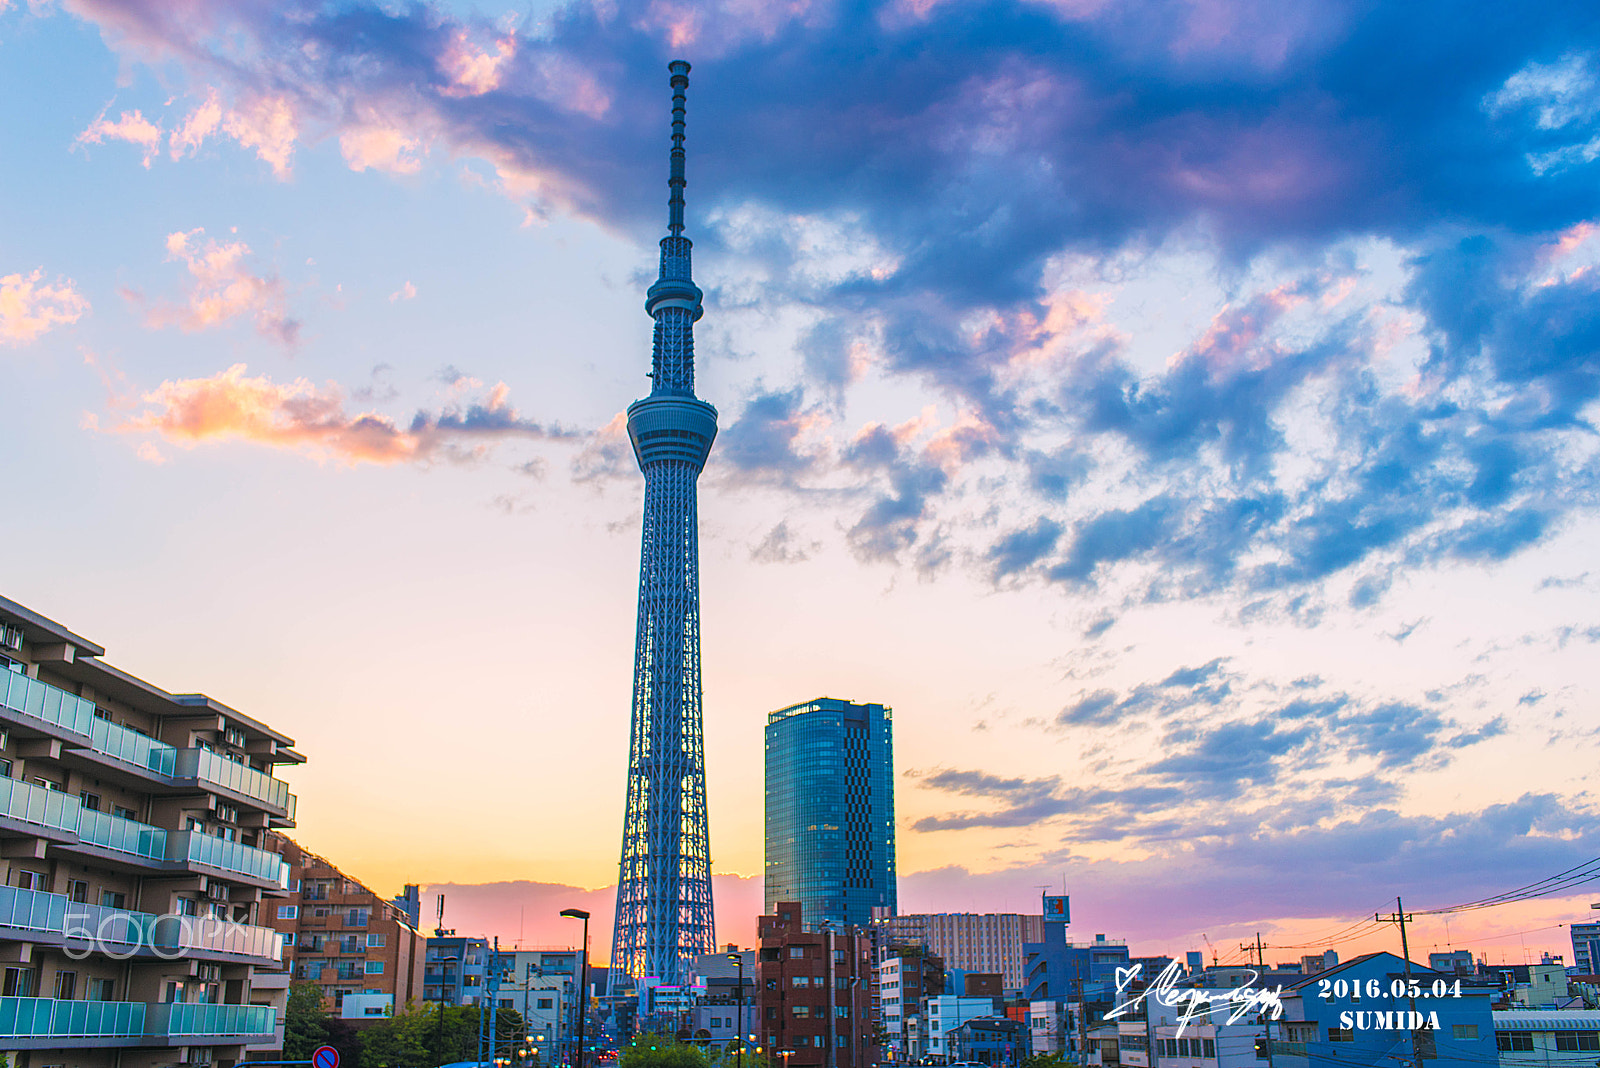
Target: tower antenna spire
[(680, 83)]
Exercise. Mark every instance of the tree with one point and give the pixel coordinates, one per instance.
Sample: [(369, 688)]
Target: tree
[(305, 1021), (662, 1051), (433, 1034)]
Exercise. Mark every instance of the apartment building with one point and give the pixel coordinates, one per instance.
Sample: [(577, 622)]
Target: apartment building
[(815, 986), (134, 847), (969, 942), (359, 946)]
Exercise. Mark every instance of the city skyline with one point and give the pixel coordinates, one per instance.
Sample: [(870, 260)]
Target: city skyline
[(1178, 414)]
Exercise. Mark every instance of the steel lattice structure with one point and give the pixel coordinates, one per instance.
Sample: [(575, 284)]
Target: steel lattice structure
[(664, 914)]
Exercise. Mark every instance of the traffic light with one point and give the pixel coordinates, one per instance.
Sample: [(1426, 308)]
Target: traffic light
[(1261, 1048)]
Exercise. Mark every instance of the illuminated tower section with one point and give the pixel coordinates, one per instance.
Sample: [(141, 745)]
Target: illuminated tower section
[(664, 888)]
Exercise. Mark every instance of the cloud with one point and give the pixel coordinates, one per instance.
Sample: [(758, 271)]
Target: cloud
[(405, 292), (782, 546), (960, 231), (30, 306), (131, 127), (223, 288), (300, 416)]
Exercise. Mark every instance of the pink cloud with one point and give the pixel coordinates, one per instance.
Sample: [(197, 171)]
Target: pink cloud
[(131, 127), (474, 71), (268, 125), (382, 147), (303, 417), (30, 306), (202, 122), (224, 288), (528, 912)]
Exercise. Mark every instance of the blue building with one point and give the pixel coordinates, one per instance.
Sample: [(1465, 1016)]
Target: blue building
[(830, 810), (1360, 1014), (1083, 972)]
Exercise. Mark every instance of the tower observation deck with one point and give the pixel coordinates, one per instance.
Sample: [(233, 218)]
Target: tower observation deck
[(664, 917)]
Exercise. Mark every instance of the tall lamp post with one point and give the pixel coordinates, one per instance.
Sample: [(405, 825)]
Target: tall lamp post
[(583, 983), (739, 1054)]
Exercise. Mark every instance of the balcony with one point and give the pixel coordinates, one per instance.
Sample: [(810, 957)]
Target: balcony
[(31, 910), (199, 848), (34, 804), (122, 835), (181, 1021), (30, 697), (241, 778), (172, 937), (129, 746), (51, 1019)]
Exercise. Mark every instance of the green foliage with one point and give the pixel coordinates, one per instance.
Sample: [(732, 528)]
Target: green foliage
[(1046, 1060), (305, 1021), (433, 1034), (662, 1051)]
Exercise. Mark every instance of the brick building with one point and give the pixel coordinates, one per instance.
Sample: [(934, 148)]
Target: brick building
[(815, 986), (358, 945)]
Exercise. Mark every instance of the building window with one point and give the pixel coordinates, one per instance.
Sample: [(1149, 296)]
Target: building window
[(113, 899), (288, 912), (1210, 1048), (1514, 1041), (802, 980), (374, 941), (842, 1011), (124, 812), (547, 1003), (1346, 1034), (356, 918), (19, 983), (101, 990), (1575, 1041), (66, 986), (802, 1011), (374, 967), (90, 801), (797, 951), (78, 891), (29, 880)]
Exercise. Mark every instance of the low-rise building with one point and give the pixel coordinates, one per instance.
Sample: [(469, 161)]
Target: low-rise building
[(346, 938), (816, 992), (947, 1012), (994, 1040), (1549, 1039)]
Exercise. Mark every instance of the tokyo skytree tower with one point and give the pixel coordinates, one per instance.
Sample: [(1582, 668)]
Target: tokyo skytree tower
[(664, 890)]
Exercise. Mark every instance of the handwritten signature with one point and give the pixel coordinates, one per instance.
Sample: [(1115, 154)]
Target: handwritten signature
[(1197, 1002)]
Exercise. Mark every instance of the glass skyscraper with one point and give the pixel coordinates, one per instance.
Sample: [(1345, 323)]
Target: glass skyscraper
[(830, 809)]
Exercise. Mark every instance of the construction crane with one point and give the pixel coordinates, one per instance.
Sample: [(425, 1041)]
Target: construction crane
[(1211, 947)]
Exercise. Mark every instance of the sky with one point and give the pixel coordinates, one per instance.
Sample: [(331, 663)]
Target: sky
[(1181, 413)]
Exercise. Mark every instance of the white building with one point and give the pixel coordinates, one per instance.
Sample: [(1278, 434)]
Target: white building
[(947, 1012), (1548, 1039)]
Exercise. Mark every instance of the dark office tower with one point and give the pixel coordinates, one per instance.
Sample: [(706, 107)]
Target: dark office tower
[(830, 810), (663, 917)]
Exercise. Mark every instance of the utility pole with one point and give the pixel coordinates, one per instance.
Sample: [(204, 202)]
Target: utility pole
[(1400, 917)]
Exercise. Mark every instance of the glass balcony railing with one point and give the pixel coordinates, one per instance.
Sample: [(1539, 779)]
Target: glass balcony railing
[(211, 935), (200, 848), (203, 1021), (124, 743), (49, 1018), (123, 835), (34, 804), (40, 700), (207, 766), (31, 910), (170, 936)]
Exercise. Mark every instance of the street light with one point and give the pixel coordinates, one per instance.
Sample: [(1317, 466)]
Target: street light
[(583, 984), (739, 1031)]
